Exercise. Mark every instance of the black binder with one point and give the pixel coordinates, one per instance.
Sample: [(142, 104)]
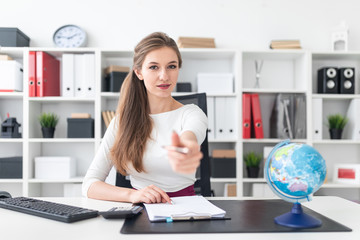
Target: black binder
[(247, 216)]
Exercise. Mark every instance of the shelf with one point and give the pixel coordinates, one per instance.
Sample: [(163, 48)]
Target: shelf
[(116, 53), (110, 94), (14, 52), (338, 55), (11, 140), (60, 99), (208, 53), (11, 180), (222, 180), (58, 52), (274, 54), (207, 95), (340, 185), (71, 180), (270, 140), (62, 140), (222, 141), (336, 96), (11, 95), (336, 141), (254, 180), (272, 91)]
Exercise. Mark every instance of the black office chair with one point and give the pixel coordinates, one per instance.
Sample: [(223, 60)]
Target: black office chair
[(202, 184)]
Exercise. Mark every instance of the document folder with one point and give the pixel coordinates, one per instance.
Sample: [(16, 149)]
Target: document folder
[(68, 75), (47, 75), (246, 114), (256, 116), (32, 74), (184, 208)]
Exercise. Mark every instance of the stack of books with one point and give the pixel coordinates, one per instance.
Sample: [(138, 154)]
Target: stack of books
[(195, 42), (80, 115), (4, 57), (107, 117), (285, 44)]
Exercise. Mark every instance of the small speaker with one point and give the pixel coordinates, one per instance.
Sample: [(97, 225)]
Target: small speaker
[(347, 80), (328, 80)]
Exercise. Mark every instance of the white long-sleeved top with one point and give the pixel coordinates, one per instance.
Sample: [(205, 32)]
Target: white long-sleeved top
[(156, 164)]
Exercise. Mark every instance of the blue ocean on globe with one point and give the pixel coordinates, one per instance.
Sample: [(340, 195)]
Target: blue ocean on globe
[(295, 171)]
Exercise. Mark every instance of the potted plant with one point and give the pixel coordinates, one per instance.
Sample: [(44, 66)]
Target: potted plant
[(48, 122), (336, 124), (252, 161)]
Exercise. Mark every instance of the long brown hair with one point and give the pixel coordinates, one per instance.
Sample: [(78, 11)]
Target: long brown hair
[(134, 122)]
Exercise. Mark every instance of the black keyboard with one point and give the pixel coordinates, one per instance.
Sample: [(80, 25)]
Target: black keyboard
[(45, 209)]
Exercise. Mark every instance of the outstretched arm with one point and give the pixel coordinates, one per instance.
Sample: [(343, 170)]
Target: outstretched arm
[(185, 163)]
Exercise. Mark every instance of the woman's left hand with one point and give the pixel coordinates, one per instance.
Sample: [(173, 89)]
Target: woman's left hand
[(185, 163)]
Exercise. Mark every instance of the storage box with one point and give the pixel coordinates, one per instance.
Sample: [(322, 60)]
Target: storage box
[(230, 190), (72, 190), (11, 76), (113, 81), (80, 128), (183, 87), (223, 153), (11, 167), (52, 167), (13, 37), (215, 83), (223, 167)]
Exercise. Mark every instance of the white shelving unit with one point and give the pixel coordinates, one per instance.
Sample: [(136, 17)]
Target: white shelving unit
[(284, 71), (342, 151)]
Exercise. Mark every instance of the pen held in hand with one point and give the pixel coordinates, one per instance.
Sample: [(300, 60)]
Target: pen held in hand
[(183, 150)]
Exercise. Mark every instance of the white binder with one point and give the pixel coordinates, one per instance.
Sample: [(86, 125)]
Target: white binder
[(211, 118), (352, 128), (89, 75), (220, 118), (79, 68), (230, 113), (67, 84), (317, 118), (11, 76), (225, 119)]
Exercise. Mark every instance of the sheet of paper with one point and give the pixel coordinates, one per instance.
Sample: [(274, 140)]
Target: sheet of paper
[(190, 206)]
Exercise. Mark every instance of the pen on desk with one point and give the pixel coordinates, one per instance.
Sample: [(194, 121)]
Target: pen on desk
[(183, 150)]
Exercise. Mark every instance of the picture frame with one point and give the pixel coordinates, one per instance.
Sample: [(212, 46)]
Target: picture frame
[(346, 173)]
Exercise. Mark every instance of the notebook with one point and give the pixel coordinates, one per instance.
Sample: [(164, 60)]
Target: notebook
[(184, 208)]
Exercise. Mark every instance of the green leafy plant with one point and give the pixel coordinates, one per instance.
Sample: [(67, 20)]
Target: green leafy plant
[(48, 120), (336, 121), (252, 159)]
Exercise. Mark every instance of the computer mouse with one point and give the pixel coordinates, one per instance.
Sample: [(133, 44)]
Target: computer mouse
[(4, 194)]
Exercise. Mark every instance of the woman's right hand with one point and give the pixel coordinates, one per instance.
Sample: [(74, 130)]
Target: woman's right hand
[(149, 194)]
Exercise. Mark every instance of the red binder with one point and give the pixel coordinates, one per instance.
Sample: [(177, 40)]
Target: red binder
[(47, 75), (32, 74), (246, 114), (256, 116)]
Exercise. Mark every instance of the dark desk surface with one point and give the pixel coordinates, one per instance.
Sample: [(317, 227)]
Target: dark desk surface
[(247, 216), (15, 225)]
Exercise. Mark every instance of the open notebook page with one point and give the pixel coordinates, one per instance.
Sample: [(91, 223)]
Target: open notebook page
[(184, 208)]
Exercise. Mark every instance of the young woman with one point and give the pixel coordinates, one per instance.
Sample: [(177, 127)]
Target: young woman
[(147, 119)]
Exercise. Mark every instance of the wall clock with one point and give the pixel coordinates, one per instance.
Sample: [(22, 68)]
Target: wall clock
[(70, 36)]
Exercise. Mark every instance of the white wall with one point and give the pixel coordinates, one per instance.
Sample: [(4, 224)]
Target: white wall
[(244, 24)]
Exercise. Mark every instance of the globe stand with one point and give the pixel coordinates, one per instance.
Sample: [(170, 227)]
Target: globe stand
[(297, 218)]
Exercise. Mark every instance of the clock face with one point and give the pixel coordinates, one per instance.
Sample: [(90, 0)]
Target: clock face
[(69, 36)]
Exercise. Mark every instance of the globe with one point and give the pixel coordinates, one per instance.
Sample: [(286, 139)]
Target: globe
[(294, 172)]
